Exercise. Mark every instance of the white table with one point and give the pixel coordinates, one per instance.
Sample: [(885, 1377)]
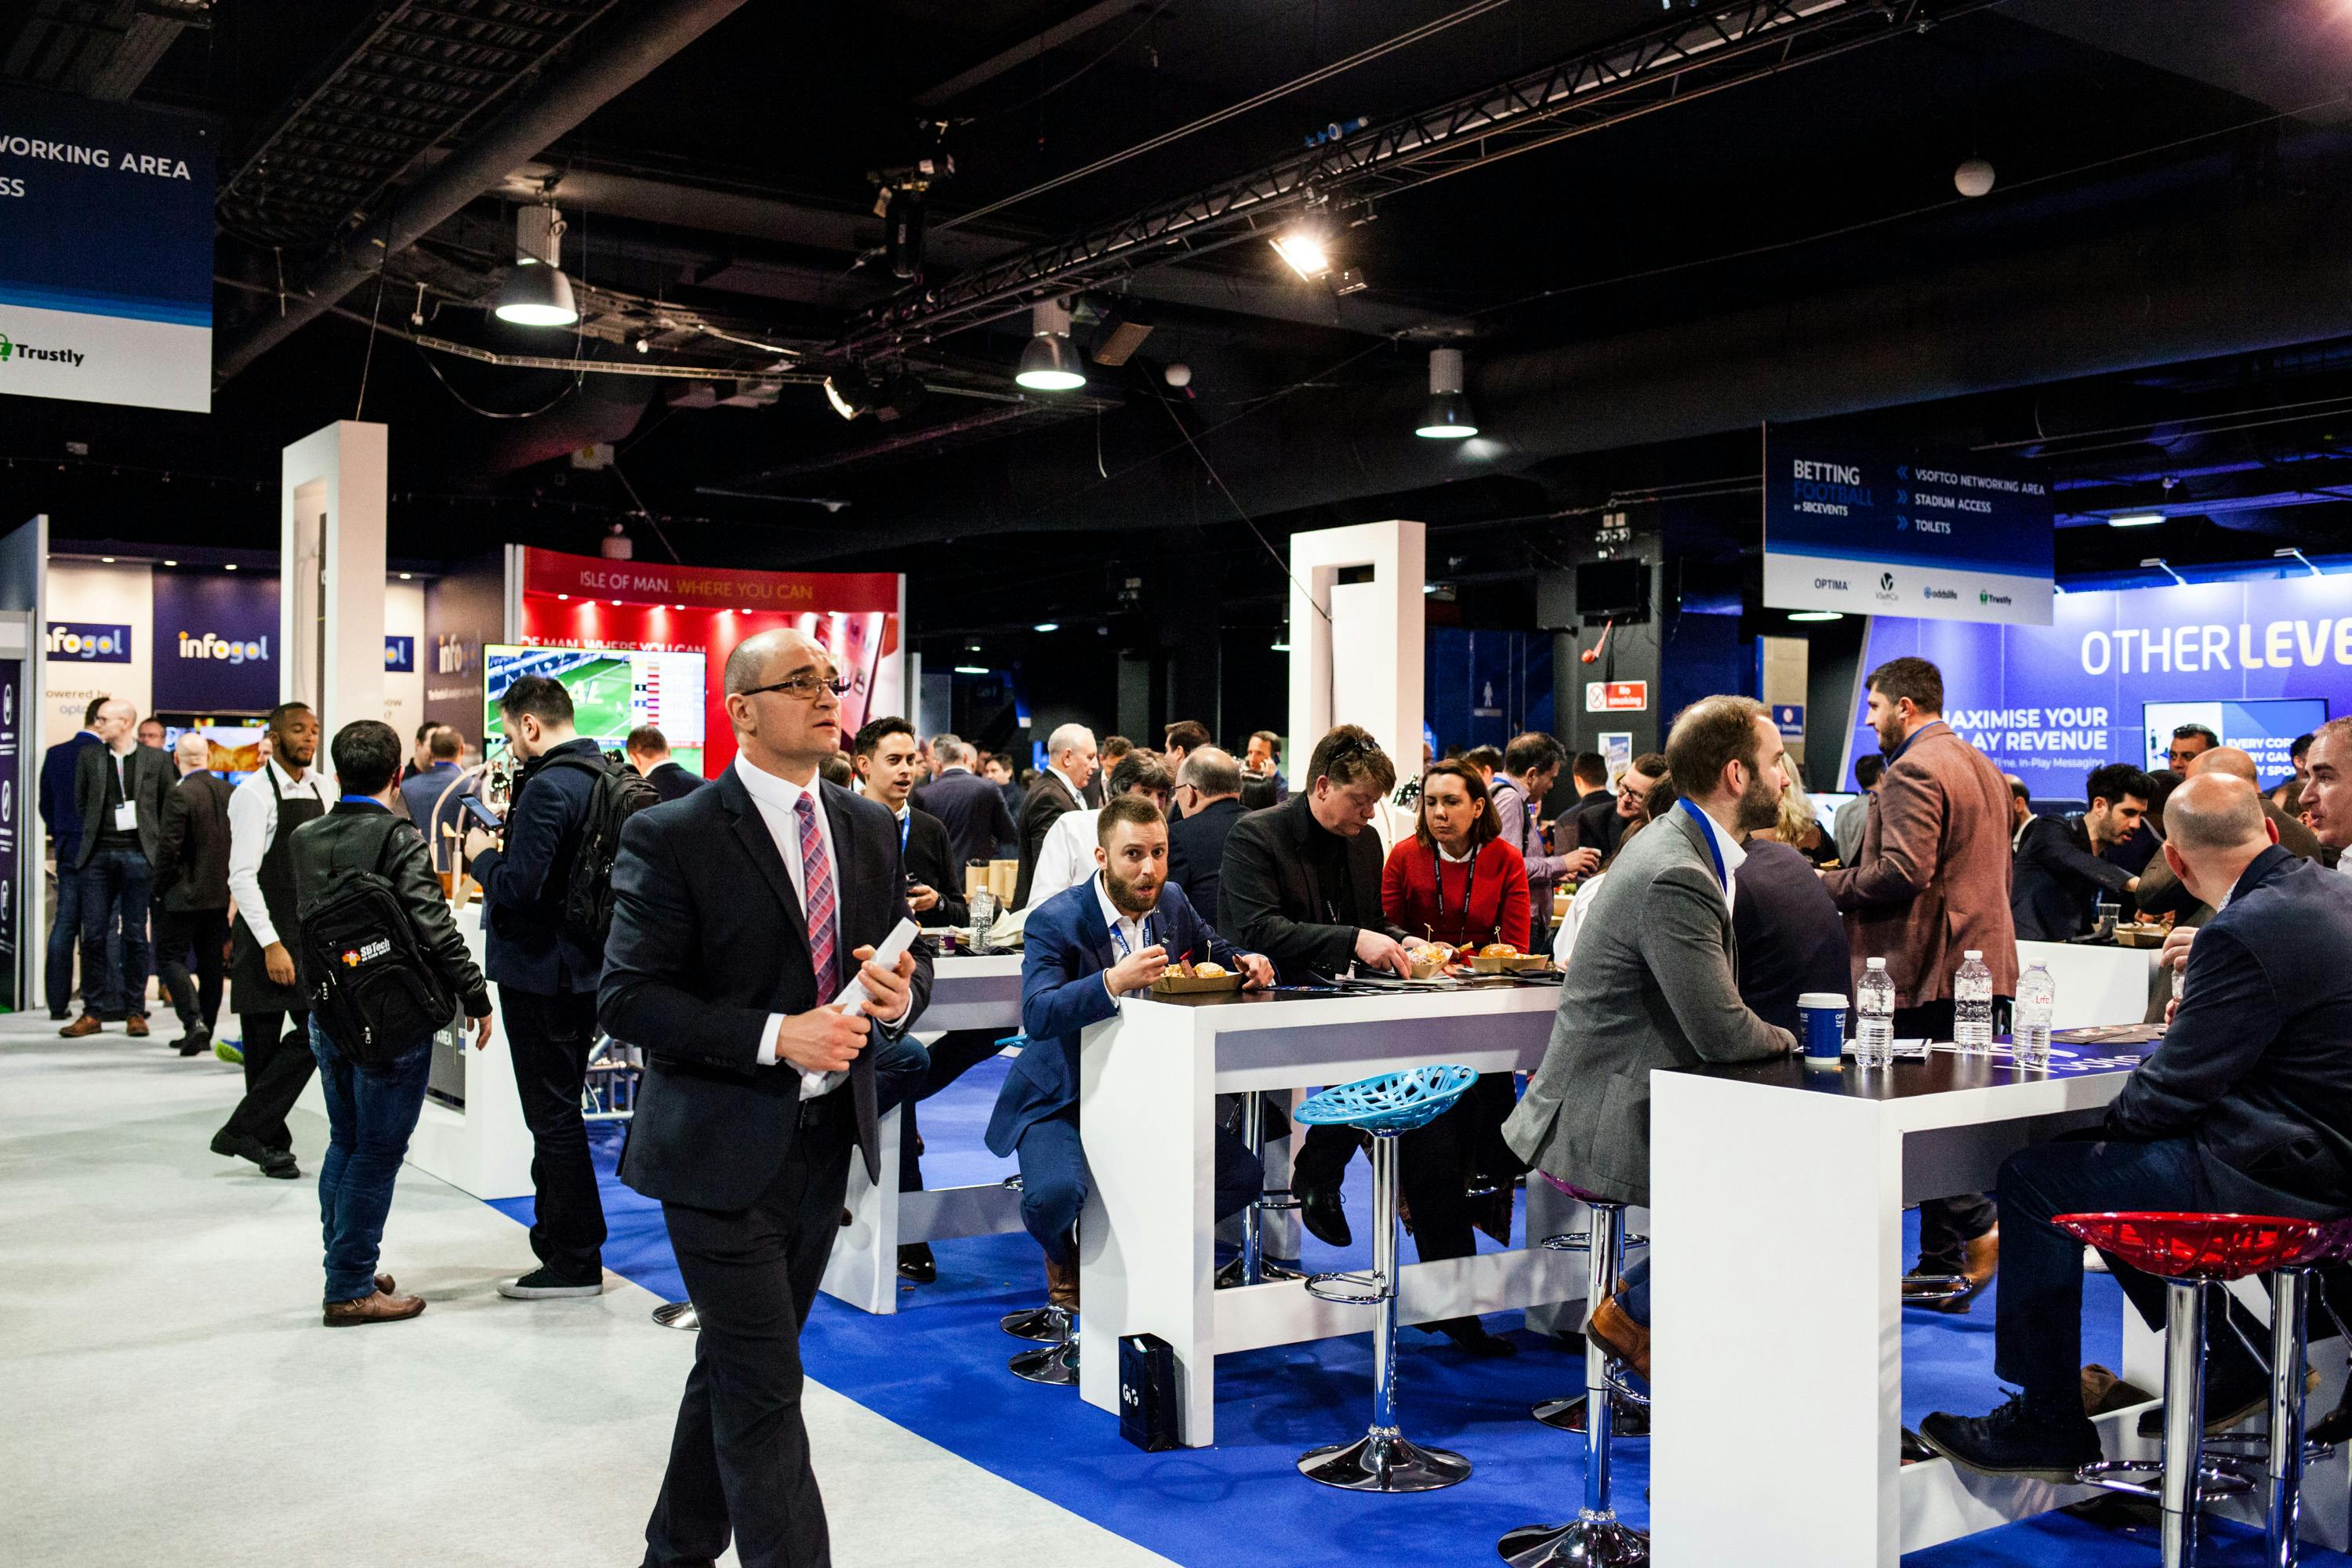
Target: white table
[(968, 991), (2096, 984), (1148, 1080)]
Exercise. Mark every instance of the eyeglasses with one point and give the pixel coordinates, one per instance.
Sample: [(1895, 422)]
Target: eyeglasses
[(801, 688)]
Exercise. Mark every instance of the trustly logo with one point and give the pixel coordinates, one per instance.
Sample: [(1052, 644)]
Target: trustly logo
[(232, 650), (97, 644), (11, 351), (6, 348)]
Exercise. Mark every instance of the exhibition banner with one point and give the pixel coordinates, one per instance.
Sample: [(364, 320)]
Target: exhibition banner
[(215, 642), (707, 587), (2258, 662), (1939, 536), (106, 252)]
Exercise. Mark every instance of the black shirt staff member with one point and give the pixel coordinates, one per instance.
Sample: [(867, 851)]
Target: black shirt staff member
[(738, 912)]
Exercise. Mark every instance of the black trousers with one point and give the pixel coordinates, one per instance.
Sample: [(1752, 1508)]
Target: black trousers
[(738, 1460), (953, 1054), (177, 932), (277, 1066), (1947, 1226), (550, 1038)]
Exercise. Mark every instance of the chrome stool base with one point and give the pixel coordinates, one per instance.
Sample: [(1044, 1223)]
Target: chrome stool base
[(678, 1315), (1056, 1363), (1595, 1541), (1384, 1462), (1236, 1272), (1628, 1418), (1037, 1324)]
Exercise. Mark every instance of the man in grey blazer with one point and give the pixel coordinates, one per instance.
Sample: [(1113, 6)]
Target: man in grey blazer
[(1653, 983)]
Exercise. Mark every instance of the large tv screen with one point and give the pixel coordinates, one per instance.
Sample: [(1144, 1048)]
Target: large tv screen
[(2264, 728), (612, 691)]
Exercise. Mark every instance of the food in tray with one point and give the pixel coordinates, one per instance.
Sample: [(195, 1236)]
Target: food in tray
[(1204, 970), (1430, 959), (1498, 950)]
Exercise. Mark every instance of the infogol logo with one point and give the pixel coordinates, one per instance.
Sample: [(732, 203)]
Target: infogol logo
[(232, 650), (97, 644)]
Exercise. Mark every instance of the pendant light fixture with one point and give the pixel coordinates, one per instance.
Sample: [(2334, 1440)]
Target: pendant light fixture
[(1447, 415), (1050, 362), (537, 293)]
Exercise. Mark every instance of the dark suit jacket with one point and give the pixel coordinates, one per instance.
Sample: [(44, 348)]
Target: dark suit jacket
[(192, 854), (59, 764), (2253, 1069), (707, 939), (672, 782), (1271, 901), (523, 882), (2054, 879), (148, 773), (1598, 826), (1066, 947), (1196, 851), (932, 863), (1046, 803), (973, 811), (1787, 933)]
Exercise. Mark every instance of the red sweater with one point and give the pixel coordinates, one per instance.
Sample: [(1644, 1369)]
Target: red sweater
[(1497, 888)]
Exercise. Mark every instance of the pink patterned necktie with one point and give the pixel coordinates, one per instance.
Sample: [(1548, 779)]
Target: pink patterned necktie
[(817, 899)]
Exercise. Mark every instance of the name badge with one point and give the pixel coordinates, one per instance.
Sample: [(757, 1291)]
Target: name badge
[(126, 817)]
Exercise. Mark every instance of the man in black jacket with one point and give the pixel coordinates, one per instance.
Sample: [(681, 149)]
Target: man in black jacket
[(192, 892), (739, 913), (119, 789), (972, 809), (1604, 820), (2060, 869), (372, 1111), (547, 981), (647, 750), (1071, 765), (2245, 1108), (1209, 793)]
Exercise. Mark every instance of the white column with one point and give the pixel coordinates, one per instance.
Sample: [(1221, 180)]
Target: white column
[(331, 567), (1356, 647)]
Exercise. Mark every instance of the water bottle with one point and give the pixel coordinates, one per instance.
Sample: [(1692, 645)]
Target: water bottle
[(2037, 1000), (1972, 1006), (1874, 1044)]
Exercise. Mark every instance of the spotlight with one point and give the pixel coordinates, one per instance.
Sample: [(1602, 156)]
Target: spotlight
[(1179, 375), (1816, 614), (175, 563), (2136, 519), (1973, 178), (1447, 415), (1046, 627), (849, 392), (1306, 245), (537, 293), (231, 566), (1050, 362), (405, 576), (971, 670)]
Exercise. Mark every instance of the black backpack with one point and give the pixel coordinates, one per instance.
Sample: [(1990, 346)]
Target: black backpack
[(615, 795), (366, 977)]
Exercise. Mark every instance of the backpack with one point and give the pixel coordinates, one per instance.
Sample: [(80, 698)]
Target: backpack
[(615, 795), (363, 972)]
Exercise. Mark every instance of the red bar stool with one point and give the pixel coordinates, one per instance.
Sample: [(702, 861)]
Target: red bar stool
[(2286, 1450), (2192, 1253)]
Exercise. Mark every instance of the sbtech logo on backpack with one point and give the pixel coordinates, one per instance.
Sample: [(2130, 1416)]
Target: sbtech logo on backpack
[(355, 956)]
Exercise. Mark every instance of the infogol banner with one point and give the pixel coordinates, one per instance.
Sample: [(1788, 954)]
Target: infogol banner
[(106, 252)]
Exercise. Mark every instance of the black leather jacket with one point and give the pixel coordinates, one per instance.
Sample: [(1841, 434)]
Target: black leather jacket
[(352, 837)]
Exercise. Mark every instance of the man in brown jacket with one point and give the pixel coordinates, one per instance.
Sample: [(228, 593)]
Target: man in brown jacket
[(1931, 883)]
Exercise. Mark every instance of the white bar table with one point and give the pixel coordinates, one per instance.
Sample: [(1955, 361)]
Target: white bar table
[(968, 991), (2098, 983), (1777, 1197), (1148, 1081)]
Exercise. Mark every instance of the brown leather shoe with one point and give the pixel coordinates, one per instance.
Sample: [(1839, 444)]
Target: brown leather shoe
[(379, 1308), (385, 1283), (1978, 1263), (1062, 1284), (81, 1028), (2104, 1391), (1621, 1336), (136, 1026)]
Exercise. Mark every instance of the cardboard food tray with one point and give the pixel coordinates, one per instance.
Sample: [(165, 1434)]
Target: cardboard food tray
[(2125, 936), (1525, 963), (1195, 985)]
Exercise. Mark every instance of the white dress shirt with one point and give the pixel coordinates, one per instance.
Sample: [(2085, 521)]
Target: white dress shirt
[(1076, 793), (252, 825), (1128, 931), (1734, 853), (779, 803), (1067, 858)]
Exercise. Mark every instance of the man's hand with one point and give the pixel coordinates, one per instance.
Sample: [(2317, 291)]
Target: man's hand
[(478, 840), (2132, 885), (482, 1032), (1381, 951), (922, 900), (1258, 971), (1581, 863), (2174, 952), (277, 964), (888, 991), (1136, 971), (826, 1040)]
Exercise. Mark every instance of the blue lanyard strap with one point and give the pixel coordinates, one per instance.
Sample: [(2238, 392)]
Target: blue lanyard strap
[(1715, 850), (906, 825)]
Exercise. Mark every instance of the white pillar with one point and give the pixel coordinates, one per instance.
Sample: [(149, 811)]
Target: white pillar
[(331, 568), (1356, 647)]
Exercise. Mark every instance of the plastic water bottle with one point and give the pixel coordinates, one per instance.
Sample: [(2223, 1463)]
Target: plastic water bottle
[(1874, 1044), (2037, 1000), (1972, 1006)]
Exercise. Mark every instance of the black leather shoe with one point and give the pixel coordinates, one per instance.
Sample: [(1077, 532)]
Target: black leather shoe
[(195, 1042), (2011, 1442), (237, 1146), (279, 1165), (1470, 1335), (916, 1263), (1325, 1214), (2230, 1397)]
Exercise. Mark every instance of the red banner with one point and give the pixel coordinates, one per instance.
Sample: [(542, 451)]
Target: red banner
[(707, 587)]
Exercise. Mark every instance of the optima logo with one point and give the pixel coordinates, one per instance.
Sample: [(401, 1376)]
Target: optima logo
[(214, 646), (99, 644)]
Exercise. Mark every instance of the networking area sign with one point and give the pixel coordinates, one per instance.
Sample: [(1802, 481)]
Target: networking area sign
[(1946, 538), (106, 252)]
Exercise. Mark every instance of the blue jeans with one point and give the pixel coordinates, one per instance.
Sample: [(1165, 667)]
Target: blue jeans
[(114, 881), (370, 1111), (58, 975)]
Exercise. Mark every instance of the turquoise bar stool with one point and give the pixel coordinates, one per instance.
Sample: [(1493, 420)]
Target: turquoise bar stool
[(1382, 1460)]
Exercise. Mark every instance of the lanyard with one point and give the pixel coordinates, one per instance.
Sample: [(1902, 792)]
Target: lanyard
[(1469, 880), (906, 824), (1119, 937), (1706, 831), (358, 800)]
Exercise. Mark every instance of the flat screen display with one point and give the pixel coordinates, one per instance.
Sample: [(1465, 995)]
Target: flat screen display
[(1612, 589), (612, 691), (2263, 727)]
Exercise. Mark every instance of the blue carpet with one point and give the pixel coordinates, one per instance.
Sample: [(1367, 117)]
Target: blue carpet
[(937, 1368)]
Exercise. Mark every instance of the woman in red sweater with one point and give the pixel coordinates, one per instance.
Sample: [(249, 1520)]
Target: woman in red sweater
[(1457, 881)]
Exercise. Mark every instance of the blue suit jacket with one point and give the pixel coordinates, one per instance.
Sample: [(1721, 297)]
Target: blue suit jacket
[(59, 765), (1066, 949)]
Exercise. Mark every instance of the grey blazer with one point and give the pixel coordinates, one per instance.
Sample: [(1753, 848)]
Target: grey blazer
[(1653, 983)]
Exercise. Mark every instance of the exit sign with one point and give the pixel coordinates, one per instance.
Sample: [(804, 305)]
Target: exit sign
[(1616, 696)]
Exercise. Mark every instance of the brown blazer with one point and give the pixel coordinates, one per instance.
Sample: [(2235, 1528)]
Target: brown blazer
[(1932, 880)]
